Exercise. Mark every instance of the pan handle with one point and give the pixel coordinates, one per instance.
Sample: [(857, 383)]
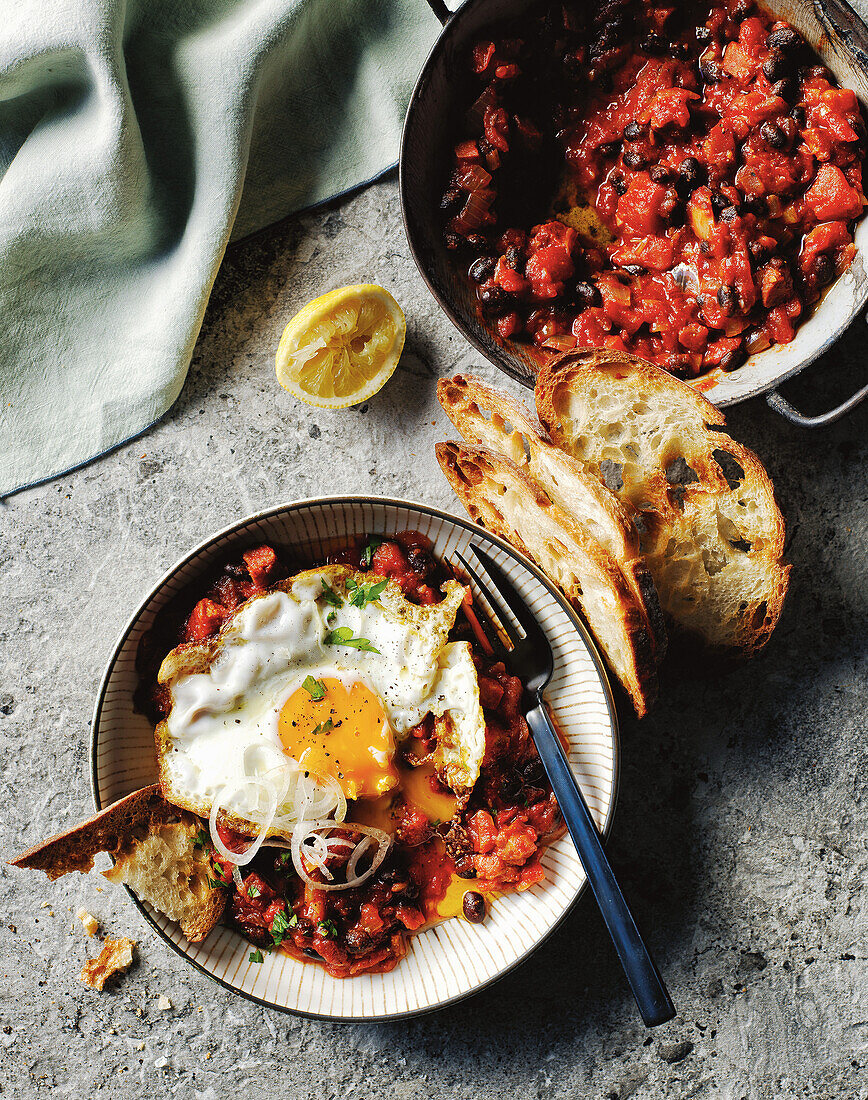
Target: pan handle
[(441, 11), (786, 410)]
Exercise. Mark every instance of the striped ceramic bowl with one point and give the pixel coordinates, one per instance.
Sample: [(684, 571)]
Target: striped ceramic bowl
[(453, 959)]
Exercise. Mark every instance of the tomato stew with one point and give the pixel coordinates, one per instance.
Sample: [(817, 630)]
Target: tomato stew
[(493, 841), (707, 174)]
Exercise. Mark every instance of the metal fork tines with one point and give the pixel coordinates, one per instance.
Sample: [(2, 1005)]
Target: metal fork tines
[(532, 660), (530, 657)]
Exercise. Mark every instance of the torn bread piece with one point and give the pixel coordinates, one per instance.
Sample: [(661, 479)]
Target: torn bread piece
[(490, 419), (711, 530), (502, 497), (154, 846), (115, 958)]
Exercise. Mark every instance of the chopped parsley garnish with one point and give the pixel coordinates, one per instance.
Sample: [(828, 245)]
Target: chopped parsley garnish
[(281, 926), (201, 839), (373, 543), (253, 891), (256, 956), (285, 857), (329, 595), (315, 688), (365, 593), (332, 618), (344, 636), (328, 928), (323, 727), (215, 883)]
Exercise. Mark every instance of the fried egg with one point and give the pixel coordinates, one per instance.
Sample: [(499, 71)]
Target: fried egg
[(325, 673)]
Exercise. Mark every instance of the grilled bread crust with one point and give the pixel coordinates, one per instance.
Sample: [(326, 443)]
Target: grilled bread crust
[(489, 419), (503, 497), (710, 528), (108, 831)]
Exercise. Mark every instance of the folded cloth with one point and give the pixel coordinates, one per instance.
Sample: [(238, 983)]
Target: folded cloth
[(137, 137)]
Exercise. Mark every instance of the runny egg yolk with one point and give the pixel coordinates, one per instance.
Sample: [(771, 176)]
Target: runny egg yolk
[(345, 735)]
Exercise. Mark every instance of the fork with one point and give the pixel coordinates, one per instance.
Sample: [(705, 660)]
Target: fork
[(532, 660)]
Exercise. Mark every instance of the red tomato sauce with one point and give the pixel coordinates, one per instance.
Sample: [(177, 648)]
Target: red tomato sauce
[(493, 841), (707, 174)]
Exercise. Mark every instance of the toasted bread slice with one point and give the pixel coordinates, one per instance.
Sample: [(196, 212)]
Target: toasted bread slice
[(152, 843), (504, 498), (167, 870), (711, 531), (492, 420)]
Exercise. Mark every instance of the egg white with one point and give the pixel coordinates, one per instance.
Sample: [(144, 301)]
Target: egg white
[(227, 694)]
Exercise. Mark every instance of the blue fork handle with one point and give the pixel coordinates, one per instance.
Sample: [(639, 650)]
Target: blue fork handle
[(653, 1000)]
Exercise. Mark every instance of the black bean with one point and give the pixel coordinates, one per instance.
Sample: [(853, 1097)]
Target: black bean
[(727, 301), (659, 174), (635, 160), (633, 131), (588, 295), (798, 115), (709, 71), (672, 208), (814, 71), (719, 202), (824, 269), (451, 198), (574, 66), (477, 241), (787, 89), (728, 214), (514, 259), (495, 300), (692, 174), (759, 252), (609, 149), (654, 44), (702, 33), (635, 269), (482, 268), (777, 66), (678, 364), (773, 135), (742, 9), (755, 205), (474, 907), (785, 39), (733, 359), (619, 183)]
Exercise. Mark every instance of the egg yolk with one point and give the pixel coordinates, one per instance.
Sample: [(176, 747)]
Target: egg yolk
[(345, 735)]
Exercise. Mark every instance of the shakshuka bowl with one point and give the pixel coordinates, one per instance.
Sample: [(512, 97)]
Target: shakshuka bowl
[(432, 127), (447, 961)]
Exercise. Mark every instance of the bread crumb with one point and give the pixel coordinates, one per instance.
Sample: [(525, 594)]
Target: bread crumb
[(207, 1053), (91, 924), (140, 1046), (45, 905), (116, 957), (163, 1003)]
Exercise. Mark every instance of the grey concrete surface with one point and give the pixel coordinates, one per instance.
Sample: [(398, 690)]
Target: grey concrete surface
[(740, 833)]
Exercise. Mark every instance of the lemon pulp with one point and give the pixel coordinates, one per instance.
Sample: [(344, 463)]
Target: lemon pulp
[(342, 347)]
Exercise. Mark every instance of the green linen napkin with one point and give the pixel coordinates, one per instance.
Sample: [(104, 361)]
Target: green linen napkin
[(136, 138)]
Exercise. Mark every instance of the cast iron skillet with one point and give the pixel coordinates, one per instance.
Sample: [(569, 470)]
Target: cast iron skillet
[(830, 26)]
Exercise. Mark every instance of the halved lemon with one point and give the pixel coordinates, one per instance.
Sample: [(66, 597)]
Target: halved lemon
[(342, 347)]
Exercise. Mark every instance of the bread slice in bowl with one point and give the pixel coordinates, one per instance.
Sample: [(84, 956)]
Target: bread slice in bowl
[(710, 528), (507, 501), (155, 849), (491, 419)]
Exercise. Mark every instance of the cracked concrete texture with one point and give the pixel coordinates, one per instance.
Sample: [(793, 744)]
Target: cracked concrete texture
[(740, 831)]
